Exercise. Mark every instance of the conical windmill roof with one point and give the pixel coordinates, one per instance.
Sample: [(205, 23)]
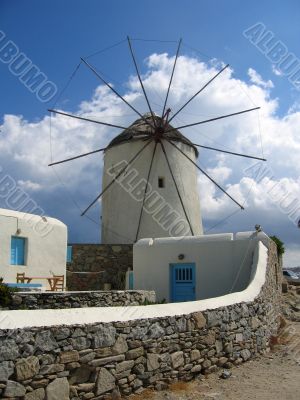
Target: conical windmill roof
[(140, 130)]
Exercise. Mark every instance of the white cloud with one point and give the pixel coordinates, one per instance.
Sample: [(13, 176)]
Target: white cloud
[(291, 257), (25, 145), (256, 78), (295, 107), (276, 71), (220, 173), (29, 185)]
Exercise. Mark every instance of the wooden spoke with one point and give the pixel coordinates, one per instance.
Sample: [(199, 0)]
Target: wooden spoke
[(114, 91), (146, 187), (116, 177), (199, 91), (75, 157), (171, 79), (86, 119), (206, 174), (141, 82), (229, 152), (212, 119), (177, 189)]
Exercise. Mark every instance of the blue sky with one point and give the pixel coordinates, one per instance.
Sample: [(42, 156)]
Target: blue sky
[(54, 34)]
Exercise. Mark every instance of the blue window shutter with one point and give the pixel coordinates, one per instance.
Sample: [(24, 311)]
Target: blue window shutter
[(69, 253), (131, 282), (20, 251), (17, 251), (13, 253)]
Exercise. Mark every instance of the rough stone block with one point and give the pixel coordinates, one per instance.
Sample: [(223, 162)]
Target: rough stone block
[(68, 356), (206, 364), (107, 360), (104, 352), (45, 341), (40, 383), (80, 343), (38, 394), (152, 361), (51, 369), (210, 338), (195, 355), (27, 368), (123, 366), (196, 369), (105, 382), (14, 389), (255, 323), (177, 359), (239, 338), (222, 361), (155, 331), (120, 346), (80, 375), (6, 370), (105, 336), (245, 354), (58, 389), (135, 353), (9, 350)]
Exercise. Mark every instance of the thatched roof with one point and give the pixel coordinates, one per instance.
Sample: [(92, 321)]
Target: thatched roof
[(139, 130)]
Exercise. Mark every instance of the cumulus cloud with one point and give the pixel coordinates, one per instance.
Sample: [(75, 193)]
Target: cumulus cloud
[(66, 189), (256, 78)]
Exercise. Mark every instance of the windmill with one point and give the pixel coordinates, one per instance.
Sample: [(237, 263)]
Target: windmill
[(151, 161)]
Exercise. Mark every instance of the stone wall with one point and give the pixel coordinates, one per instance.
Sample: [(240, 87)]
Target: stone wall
[(104, 263), (93, 361), (36, 301)]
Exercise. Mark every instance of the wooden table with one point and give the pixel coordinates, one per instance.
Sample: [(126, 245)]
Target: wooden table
[(52, 280)]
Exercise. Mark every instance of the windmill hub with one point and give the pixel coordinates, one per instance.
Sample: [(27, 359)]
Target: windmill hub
[(159, 131)]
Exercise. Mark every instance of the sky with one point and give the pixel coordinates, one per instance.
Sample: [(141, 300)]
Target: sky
[(51, 36)]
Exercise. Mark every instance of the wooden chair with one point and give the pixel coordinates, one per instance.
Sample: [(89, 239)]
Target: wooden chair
[(21, 278), (59, 283)]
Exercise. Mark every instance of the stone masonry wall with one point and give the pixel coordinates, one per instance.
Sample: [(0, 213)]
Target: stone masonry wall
[(98, 361), (106, 264), (36, 301)]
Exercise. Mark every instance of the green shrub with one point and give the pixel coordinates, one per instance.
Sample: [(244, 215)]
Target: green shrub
[(279, 244), (146, 302), (5, 294)]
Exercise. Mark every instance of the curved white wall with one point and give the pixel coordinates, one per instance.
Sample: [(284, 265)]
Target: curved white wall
[(222, 265), (75, 316), (121, 211)]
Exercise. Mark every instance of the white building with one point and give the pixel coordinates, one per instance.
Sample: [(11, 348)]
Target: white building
[(196, 268), (31, 244), (163, 214)]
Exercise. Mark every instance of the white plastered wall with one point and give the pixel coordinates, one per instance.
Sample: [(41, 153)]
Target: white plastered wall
[(223, 265), (46, 245), (121, 212)]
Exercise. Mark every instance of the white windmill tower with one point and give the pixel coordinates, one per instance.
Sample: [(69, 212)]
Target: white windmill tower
[(151, 164), (157, 195)]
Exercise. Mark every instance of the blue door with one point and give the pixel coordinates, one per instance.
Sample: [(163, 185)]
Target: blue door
[(183, 282)]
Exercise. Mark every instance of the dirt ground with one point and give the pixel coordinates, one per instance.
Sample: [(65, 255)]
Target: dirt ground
[(275, 375)]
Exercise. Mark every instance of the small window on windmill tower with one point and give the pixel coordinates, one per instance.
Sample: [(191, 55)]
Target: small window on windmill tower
[(161, 182)]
